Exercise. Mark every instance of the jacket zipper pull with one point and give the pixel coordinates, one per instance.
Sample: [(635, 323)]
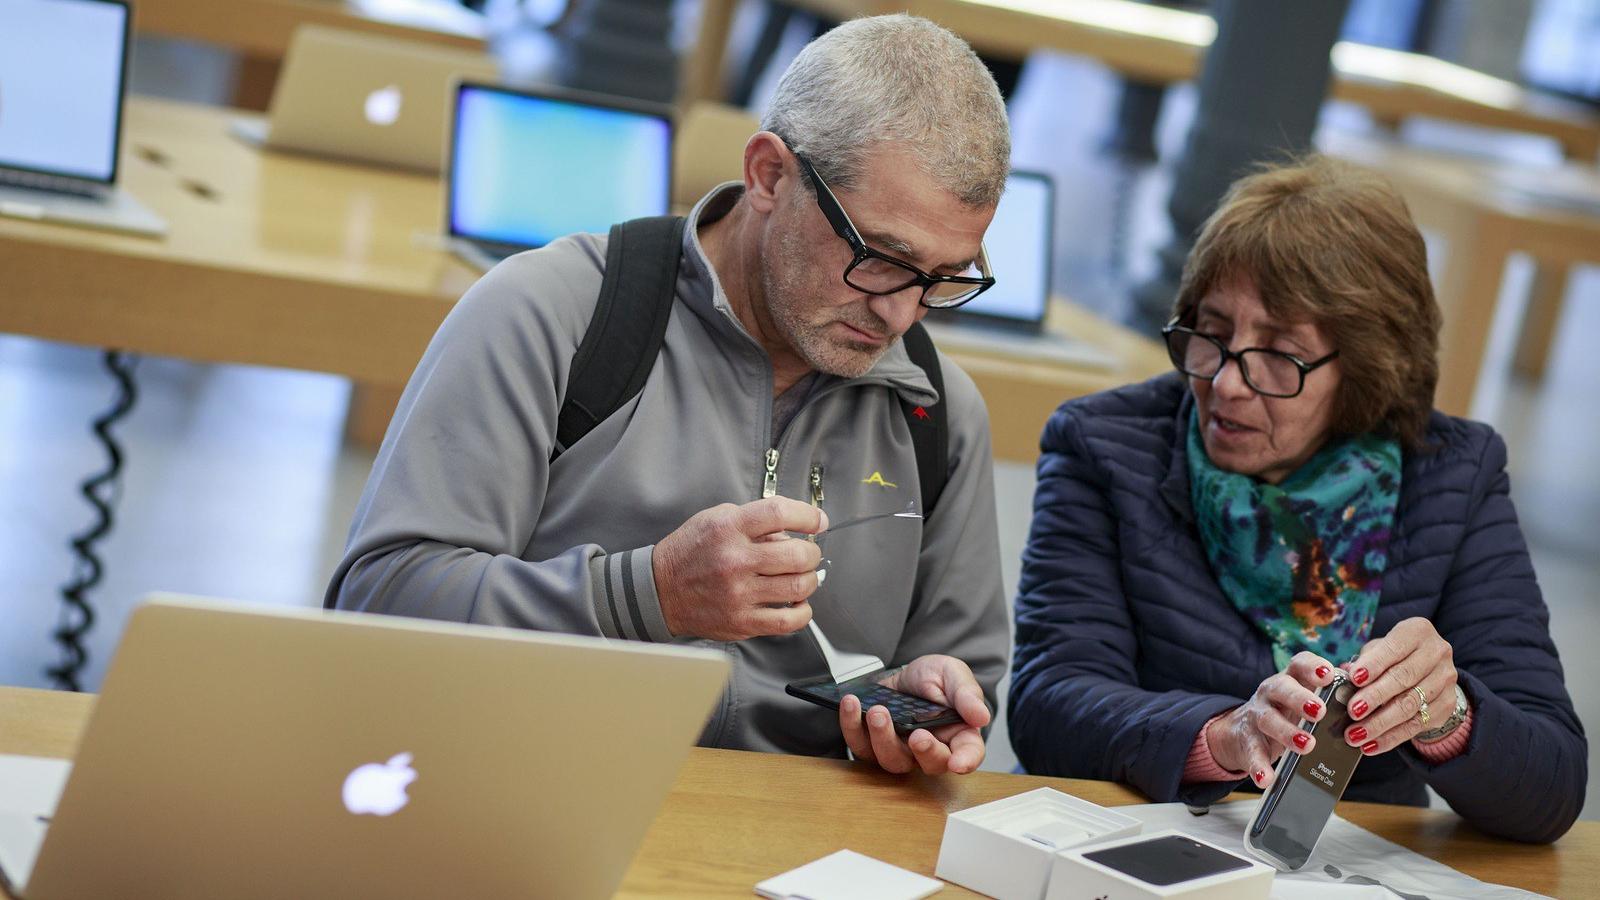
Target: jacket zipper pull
[(769, 484), (816, 485)]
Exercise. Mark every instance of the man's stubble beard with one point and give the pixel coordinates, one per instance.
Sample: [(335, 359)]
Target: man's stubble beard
[(786, 294)]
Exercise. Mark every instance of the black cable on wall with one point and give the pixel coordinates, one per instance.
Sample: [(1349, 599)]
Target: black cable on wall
[(101, 490)]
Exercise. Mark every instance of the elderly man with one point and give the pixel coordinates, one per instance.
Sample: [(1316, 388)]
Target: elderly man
[(779, 397)]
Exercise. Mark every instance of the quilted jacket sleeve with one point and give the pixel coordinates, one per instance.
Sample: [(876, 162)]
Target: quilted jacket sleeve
[(1076, 707), (1525, 768)]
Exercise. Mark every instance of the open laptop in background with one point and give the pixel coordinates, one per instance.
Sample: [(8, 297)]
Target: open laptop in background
[(1010, 317), (63, 74), (247, 752), (529, 166), (363, 97)]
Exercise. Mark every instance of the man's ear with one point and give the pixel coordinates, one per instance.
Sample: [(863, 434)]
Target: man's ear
[(767, 164)]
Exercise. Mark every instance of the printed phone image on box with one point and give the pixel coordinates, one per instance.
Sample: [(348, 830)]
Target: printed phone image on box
[(1161, 865)]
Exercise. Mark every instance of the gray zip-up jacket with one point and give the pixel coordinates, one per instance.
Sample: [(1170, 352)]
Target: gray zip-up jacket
[(465, 518)]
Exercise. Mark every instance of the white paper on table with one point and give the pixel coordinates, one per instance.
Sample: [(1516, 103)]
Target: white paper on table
[(1335, 890), (1347, 856), (32, 784), (848, 875)]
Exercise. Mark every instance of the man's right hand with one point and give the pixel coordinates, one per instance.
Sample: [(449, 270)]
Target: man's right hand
[(731, 572)]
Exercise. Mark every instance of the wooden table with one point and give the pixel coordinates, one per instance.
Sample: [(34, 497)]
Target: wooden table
[(283, 260), (733, 818), (272, 259), (1484, 218), (1160, 45)]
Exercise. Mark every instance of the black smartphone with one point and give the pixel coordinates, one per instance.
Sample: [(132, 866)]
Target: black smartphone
[(907, 711), (1167, 860), (1297, 806)]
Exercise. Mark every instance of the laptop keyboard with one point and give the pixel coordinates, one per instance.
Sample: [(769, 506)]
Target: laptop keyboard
[(498, 250), (54, 184)]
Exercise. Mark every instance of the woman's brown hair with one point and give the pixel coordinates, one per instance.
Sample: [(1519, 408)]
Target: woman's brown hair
[(1328, 243)]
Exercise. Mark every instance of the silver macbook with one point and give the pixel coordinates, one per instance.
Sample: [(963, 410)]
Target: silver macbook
[(63, 73), (363, 97), (246, 752), (1010, 318), (529, 166)]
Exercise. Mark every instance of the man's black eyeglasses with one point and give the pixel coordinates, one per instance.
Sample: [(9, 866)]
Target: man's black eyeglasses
[(874, 272), (1271, 373)]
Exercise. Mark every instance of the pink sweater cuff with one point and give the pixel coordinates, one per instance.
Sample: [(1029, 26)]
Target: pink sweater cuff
[(1448, 747), (1202, 766)]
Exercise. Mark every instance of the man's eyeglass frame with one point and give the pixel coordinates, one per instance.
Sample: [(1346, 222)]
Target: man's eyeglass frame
[(1305, 368), (834, 212)]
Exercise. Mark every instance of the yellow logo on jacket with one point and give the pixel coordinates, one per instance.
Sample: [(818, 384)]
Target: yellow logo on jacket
[(877, 479)]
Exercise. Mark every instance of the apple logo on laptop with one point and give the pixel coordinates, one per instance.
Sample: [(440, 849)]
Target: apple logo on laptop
[(383, 105), (379, 788)]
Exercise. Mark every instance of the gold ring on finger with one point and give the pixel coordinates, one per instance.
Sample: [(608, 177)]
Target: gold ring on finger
[(1422, 704)]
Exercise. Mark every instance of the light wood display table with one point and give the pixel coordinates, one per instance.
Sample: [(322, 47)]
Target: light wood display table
[(291, 261), (272, 259), (733, 819), (1486, 211)]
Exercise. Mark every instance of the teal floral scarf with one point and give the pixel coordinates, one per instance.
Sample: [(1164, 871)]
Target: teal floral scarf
[(1302, 560)]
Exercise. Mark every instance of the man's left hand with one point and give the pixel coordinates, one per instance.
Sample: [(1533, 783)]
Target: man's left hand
[(948, 748)]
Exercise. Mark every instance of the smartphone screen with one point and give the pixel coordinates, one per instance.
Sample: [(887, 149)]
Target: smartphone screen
[(1167, 860), (908, 712), (1309, 785)]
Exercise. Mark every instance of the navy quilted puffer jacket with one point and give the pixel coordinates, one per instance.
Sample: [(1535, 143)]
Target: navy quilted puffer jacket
[(1126, 646)]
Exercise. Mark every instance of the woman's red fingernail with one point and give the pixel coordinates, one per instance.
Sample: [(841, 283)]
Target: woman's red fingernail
[(1301, 740), (1312, 708), (1260, 776), (1358, 734), (1369, 747), (1358, 708), (1360, 675), (1322, 671)]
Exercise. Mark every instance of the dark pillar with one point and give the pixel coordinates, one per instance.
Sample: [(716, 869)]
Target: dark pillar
[(1261, 90), (620, 47), (1133, 132)]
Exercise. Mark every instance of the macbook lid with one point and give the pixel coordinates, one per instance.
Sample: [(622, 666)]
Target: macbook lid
[(242, 752), (369, 98)]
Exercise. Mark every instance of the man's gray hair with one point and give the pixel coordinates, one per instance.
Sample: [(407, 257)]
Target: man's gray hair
[(895, 80)]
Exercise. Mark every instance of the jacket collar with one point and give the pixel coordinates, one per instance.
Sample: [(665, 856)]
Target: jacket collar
[(701, 290), (1175, 485)]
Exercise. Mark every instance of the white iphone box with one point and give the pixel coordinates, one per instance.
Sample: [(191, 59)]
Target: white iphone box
[(1005, 848)]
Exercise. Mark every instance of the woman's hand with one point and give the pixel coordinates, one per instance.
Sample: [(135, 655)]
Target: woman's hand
[(1386, 708), (1250, 738)]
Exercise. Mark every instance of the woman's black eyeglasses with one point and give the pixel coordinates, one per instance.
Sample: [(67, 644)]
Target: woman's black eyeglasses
[(874, 272), (1271, 373)]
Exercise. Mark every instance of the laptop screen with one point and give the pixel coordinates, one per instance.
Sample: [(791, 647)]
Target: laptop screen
[(527, 168), (1019, 244), (61, 71)]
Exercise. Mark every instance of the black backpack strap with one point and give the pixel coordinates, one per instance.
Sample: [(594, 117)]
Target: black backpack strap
[(628, 328), (930, 428)]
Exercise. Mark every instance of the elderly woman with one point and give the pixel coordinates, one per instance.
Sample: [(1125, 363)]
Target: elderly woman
[(1207, 546)]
